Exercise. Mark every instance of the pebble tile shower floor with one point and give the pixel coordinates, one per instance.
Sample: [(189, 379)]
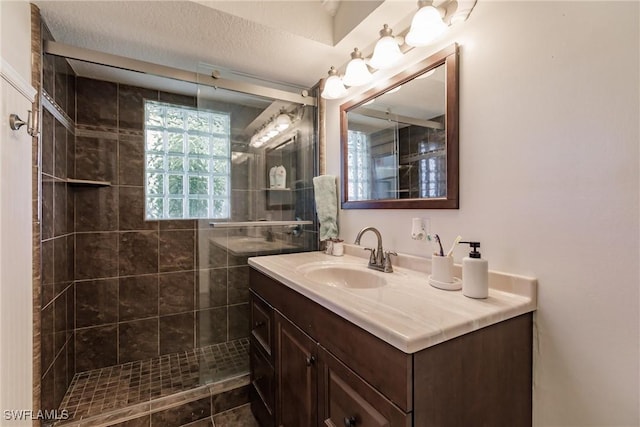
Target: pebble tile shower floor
[(103, 390)]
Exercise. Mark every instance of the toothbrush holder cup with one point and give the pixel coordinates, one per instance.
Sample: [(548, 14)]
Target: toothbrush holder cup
[(442, 268)]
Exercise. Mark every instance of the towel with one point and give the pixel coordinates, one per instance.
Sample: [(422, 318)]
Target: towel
[(326, 205)]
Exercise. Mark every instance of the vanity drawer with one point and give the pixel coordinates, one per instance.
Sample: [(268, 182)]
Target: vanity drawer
[(262, 323), (262, 376), (345, 399)]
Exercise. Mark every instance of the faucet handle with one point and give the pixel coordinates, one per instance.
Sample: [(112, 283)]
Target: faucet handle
[(372, 257), (388, 268)]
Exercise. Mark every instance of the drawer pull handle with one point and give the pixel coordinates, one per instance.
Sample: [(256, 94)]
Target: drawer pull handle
[(349, 421), (310, 360)]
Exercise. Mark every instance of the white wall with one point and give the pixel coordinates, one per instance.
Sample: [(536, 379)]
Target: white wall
[(549, 97), (16, 303)]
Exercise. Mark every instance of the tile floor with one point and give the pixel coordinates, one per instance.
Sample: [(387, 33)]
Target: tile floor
[(236, 417), (115, 387)]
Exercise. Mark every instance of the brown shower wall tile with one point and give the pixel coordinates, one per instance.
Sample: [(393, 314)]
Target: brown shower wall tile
[(60, 378), (238, 285), (96, 302), (177, 250), (131, 210), (96, 158), (60, 150), (60, 205), (47, 263), (96, 347), (96, 209), (96, 102), (96, 255), (47, 390), (138, 297), (176, 333), (47, 208), (61, 261), (178, 224), (176, 292), (138, 340), (131, 106), (46, 332), (211, 288), (131, 160), (238, 321), (211, 326), (46, 139), (138, 253), (172, 98), (48, 70)]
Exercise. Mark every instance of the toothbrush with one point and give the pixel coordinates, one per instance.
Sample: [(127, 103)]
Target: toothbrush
[(455, 243), (432, 240), (440, 245)]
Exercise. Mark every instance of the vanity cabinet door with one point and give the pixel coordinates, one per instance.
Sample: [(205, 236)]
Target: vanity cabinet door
[(347, 400), (296, 372)]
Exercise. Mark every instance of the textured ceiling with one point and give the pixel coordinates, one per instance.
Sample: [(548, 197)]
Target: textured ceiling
[(291, 42)]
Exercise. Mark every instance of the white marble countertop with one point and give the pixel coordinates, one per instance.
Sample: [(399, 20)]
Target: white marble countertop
[(407, 313)]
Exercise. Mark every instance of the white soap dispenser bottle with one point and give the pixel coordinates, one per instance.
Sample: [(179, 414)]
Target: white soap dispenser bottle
[(475, 274)]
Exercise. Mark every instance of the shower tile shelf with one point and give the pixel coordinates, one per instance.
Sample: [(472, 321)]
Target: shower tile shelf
[(87, 183)]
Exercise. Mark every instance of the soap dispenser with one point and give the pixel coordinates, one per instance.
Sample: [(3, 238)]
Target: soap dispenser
[(475, 274)]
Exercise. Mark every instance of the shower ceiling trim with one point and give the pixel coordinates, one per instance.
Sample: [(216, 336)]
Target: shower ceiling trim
[(101, 58)]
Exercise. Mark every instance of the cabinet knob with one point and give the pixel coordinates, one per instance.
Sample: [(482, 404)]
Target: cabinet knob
[(310, 360), (258, 323), (349, 421)]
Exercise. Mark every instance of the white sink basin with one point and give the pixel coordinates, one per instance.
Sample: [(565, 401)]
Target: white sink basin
[(343, 275)]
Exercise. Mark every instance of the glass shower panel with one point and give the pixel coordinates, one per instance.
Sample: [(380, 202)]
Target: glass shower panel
[(262, 220)]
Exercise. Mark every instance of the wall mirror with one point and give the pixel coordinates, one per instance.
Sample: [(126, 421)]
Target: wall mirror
[(399, 144)]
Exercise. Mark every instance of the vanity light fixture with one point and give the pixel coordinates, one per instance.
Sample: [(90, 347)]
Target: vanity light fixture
[(427, 25), (274, 127), (357, 73), (333, 87), (386, 53)]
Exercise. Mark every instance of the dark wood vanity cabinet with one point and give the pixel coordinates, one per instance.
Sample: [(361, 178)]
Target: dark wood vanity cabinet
[(311, 367)]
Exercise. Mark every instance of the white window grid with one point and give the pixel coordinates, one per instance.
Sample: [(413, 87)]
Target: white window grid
[(191, 145)]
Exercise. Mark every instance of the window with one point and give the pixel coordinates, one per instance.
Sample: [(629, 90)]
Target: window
[(359, 165), (187, 167)]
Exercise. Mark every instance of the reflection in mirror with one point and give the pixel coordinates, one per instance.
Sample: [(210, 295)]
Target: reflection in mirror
[(400, 144)]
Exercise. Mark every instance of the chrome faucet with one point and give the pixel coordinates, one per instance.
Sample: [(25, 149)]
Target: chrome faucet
[(379, 259)]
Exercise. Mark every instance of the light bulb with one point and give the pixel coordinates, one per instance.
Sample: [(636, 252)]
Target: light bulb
[(283, 121), (357, 73), (386, 53), (333, 87), (426, 26)]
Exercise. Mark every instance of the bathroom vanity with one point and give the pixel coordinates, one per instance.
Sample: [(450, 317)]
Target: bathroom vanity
[(335, 344)]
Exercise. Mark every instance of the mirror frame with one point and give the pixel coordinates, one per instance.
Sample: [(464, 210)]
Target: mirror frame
[(449, 57)]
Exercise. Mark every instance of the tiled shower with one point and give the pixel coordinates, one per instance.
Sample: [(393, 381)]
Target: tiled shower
[(121, 291)]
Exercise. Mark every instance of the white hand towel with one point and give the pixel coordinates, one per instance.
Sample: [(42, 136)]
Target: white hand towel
[(326, 197)]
